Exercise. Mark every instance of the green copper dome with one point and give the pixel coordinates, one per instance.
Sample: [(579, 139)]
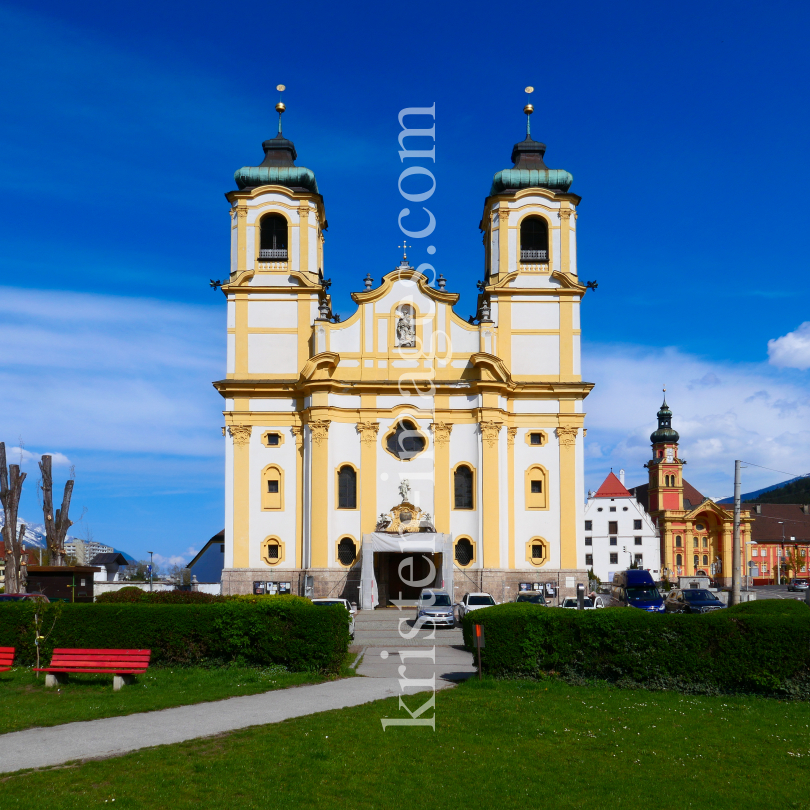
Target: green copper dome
[(665, 433), (278, 168), (530, 171)]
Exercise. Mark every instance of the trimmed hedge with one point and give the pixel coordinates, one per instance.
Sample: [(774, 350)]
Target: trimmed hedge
[(270, 630), (752, 648)]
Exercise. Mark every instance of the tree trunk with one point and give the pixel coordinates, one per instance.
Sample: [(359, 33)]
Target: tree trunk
[(11, 481), (56, 526)]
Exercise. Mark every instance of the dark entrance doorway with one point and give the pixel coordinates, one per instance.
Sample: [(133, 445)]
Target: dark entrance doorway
[(417, 569)]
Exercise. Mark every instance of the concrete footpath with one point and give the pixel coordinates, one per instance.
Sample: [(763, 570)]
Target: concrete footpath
[(112, 736)]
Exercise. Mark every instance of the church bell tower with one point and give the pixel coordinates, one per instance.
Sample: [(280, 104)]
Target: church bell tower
[(665, 468)]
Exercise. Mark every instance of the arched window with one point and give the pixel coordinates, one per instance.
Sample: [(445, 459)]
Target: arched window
[(705, 542), (679, 559), (272, 551), (347, 487), (534, 239), (405, 441), (536, 487), (463, 487), (273, 244), (537, 551), (272, 487), (678, 542), (346, 551), (697, 561), (464, 552), (705, 559), (694, 542)]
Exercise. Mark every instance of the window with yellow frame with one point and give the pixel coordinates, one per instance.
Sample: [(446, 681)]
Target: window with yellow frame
[(537, 551), (272, 492), (537, 487), (272, 550)]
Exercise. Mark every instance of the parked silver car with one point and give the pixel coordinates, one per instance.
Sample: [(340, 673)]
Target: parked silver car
[(435, 607)]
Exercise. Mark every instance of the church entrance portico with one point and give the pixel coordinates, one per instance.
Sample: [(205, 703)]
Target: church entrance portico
[(394, 565)]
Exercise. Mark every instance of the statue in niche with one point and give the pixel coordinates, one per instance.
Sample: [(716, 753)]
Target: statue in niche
[(406, 330)]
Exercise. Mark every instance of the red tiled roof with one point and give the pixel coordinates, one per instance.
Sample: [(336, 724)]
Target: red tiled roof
[(767, 528), (612, 488)]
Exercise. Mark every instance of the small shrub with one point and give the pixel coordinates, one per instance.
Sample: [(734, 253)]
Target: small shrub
[(131, 595)]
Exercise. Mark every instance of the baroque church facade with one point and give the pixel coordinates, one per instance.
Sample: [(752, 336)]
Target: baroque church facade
[(405, 446)]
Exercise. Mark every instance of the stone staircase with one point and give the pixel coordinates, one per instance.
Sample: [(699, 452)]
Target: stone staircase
[(381, 628)]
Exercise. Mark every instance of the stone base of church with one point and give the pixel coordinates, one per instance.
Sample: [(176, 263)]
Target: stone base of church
[(344, 582), (504, 583)]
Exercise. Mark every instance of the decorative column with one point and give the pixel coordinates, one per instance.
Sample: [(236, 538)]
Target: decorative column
[(368, 475), (503, 240), (441, 475), (319, 428), (241, 238), (489, 494), (303, 238), (510, 473), (567, 439), (241, 494), (565, 239), (298, 434)]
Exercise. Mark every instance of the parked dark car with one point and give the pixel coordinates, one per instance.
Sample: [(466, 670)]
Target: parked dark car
[(635, 588), (692, 600), (534, 597)]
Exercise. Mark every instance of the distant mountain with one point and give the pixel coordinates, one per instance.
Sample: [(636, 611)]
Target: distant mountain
[(796, 490), (34, 533)]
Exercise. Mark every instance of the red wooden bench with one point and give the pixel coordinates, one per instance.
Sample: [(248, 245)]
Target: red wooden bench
[(6, 658), (123, 665)]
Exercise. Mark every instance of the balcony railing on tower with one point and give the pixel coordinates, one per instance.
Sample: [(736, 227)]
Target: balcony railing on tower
[(273, 253), (533, 255)]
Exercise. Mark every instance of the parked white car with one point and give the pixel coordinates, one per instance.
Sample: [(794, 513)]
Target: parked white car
[(473, 601), (571, 602), (336, 601)]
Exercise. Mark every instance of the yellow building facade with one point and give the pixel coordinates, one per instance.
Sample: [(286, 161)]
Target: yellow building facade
[(404, 444)]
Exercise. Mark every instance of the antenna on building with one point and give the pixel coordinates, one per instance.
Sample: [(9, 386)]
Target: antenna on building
[(280, 107), (528, 109)]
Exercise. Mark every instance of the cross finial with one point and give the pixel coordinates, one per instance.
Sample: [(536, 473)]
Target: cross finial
[(404, 247), (280, 106)]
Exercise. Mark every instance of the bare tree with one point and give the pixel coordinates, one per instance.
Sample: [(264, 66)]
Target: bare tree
[(11, 481), (56, 527)]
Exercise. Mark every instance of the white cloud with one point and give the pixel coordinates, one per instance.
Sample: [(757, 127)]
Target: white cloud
[(723, 411), (109, 373), (23, 457), (176, 559), (791, 350)]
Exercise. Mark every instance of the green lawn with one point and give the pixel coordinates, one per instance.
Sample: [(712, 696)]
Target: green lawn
[(25, 702), (497, 744)]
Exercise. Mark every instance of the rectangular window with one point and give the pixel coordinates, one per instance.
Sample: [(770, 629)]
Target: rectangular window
[(755, 552), (272, 439), (589, 559), (536, 438), (637, 525), (614, 558), (637, 540), (589, 541), (537, 487), (613, 527), (612, 509), (588, 525), (614, 541), (272, 486)]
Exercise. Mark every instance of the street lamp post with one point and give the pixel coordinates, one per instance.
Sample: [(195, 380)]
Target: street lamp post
[(150, 553)]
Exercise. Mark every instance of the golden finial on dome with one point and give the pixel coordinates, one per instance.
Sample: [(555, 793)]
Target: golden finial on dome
[(280, 107), (528, 109)]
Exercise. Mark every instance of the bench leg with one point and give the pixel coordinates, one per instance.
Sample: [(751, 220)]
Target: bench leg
[(55, 678), (121, 680)]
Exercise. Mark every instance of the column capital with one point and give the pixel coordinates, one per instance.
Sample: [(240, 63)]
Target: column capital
[(510, 435), (368, 432), (241, 211), (319, 428), (240, 433), (490, 430), (567, 435), (298, 433), (441, 432)]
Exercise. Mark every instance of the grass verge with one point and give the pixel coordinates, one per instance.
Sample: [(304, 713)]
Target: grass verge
[(497, 743), (25, 702)]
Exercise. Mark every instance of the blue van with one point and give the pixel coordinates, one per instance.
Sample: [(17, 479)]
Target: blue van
[(635, 588)]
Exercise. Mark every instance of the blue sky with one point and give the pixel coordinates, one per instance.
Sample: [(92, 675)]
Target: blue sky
[(684, 127)]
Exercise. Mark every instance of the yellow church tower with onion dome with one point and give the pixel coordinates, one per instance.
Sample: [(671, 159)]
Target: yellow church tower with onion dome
[(405, 446)]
